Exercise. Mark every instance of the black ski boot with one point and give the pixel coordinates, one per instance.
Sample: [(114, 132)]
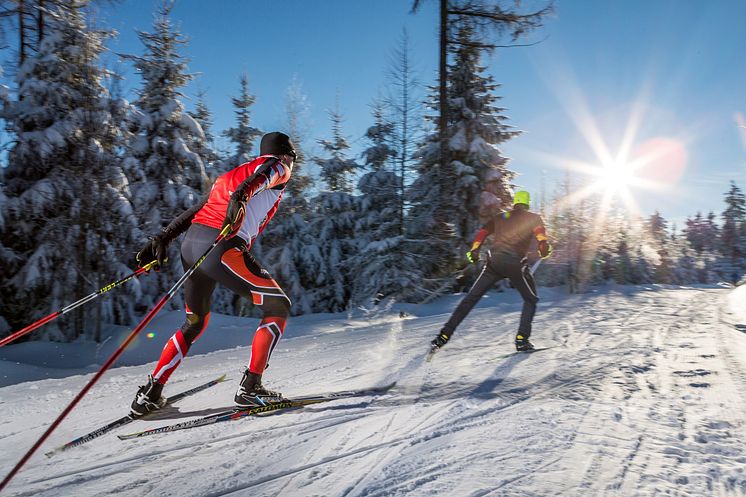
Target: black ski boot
[(251, 393), (522, 344), (439, 341), (148, 398)]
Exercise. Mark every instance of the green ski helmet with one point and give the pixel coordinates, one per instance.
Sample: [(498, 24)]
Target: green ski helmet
[(522, 197)]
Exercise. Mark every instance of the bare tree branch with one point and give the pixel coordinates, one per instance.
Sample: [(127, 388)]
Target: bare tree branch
[(491, 45)]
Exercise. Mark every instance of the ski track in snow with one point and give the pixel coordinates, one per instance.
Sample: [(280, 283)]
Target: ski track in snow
[(641, 394)]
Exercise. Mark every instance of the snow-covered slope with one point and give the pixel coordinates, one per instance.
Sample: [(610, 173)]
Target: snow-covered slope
[(642, 393)]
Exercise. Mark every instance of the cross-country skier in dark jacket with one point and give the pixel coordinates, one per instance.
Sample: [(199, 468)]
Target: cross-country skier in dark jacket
[(245, 197), (511, 232)]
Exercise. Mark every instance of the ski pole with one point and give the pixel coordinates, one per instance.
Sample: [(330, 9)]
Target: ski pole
[(146, 320), (28, 329)]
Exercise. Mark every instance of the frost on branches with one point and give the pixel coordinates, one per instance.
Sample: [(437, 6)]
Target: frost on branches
[(167, 176), (68, 221), (381, 264), (451, 202), (332, 224), (243, 135)]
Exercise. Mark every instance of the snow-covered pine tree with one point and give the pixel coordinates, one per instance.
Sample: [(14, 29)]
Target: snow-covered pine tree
[(332, 223), (382, 264), (660, 242), (635, 258), (68, 220), (287, 246), (336, 170), (450, 203), (478, 128), (702, 235), (296, 118), (710, 233), (167, 176), (426, 220), (684, 258), (567, 223), (205, 148), (733, 235), (693, 232), (243, 134), (405, 114)]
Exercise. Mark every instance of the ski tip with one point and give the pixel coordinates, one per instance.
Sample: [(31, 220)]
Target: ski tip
[(386, 388), (221, 379), (431, 353), (54, 451)]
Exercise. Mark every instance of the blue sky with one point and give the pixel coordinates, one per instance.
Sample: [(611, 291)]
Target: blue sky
[(672, 67)]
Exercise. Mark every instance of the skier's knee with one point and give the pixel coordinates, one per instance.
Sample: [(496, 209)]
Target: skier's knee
[(276, 306), (194, 326)]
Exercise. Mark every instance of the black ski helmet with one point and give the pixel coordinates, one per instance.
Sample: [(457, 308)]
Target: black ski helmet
[(276, 143)]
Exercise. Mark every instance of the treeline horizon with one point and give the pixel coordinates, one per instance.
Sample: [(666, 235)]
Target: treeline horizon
[(88, 176)]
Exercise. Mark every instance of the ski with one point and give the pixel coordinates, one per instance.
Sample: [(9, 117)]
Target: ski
[(433, 350), (235, 414), (124, 420), (531, 351)]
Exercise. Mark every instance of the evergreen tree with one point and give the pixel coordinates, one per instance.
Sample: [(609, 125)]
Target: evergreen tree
[(167, 176), (658, 231), (337, 169), (405, 108), (68, 221), (381, 263), (296, 116), (694, 232), (566, 222), (733, 234), (205, 148), (450, 203), (685, 262), (243, 134), (431, 236), (710, 232), (332, 224), (287, 245), (490, 19), (478, 128)]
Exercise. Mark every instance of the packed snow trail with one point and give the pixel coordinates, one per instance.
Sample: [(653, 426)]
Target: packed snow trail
[(643, 393)]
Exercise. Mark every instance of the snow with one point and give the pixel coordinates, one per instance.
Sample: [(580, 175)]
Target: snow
[(641, 393)]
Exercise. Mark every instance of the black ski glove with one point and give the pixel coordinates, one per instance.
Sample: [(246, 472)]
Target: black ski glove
[(157, 246), (155, 249), (235, 213)]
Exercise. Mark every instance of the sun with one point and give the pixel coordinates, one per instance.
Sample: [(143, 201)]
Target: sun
[(615, 175)]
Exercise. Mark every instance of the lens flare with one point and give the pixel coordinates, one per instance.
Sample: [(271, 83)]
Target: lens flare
[(660, 161)]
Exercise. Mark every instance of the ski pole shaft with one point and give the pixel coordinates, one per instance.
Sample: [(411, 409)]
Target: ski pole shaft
[(146, 320), (535, 265), (28, 329)]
